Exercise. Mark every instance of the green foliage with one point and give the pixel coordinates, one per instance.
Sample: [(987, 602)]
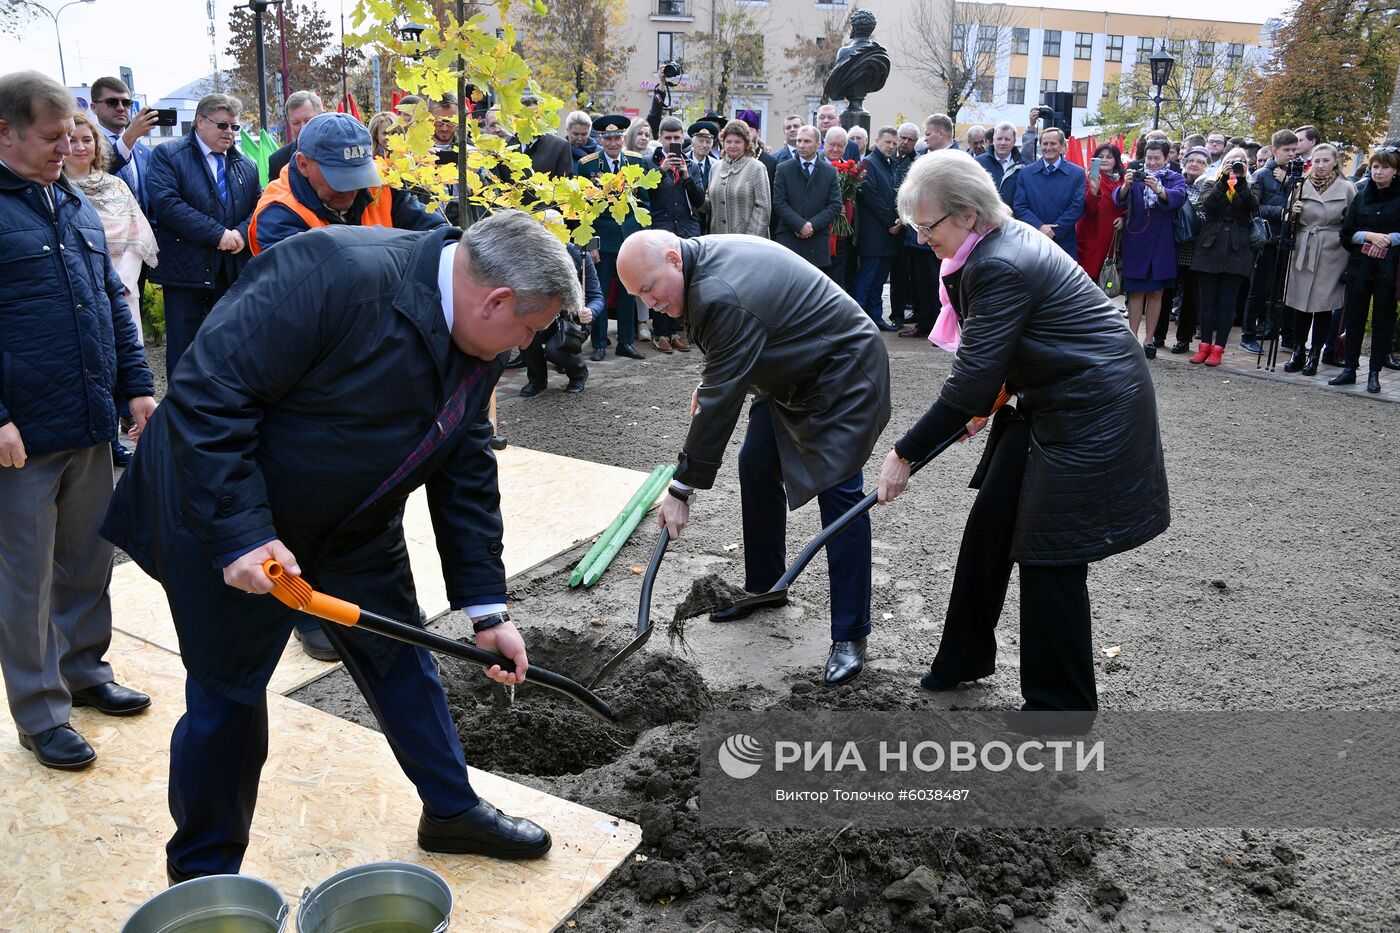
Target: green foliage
[(1334, 67), (429, 67), (153, 314)]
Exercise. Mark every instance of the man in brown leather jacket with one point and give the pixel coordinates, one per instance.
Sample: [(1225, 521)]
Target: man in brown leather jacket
[(772, 324)]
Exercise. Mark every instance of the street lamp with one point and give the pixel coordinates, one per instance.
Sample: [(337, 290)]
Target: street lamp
[(259, 7), (53, 15), (1161, 62), (412, 32)]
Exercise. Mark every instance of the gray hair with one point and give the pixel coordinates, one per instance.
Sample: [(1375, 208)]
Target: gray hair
[(24, 93), (211, 104), (942, 121), (494, 251), (854, 130), (577, 118), (1003, 125), (955, 184), (302, 98), (908, 126), (835, 130)]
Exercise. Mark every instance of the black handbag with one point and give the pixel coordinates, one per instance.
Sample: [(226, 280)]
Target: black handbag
[(564, 347), (1260, 233)]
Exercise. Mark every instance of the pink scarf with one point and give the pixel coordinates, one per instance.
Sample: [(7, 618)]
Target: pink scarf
[(946, 333)]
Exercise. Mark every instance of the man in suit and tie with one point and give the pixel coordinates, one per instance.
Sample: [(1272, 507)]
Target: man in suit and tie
[(788, 150), (1050, 193), (203, 192), (806, 199), (111, 104)]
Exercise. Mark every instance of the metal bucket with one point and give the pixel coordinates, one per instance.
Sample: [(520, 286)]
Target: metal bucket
[(383, 897), (213, 904)]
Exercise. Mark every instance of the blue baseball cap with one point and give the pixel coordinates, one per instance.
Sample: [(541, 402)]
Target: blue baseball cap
[(341, 146)]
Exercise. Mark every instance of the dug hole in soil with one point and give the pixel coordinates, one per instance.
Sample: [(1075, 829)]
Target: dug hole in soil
[(1274, 589)]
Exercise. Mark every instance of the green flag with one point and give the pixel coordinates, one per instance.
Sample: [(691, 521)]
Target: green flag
[(260, 151)]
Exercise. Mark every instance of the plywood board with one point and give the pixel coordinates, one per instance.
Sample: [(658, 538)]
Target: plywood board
[(543, 509), (83, 850)]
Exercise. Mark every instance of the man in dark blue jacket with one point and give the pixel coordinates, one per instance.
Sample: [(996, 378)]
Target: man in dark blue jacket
[(878, 231), (350, 367), (1271, 186), (1050, 193), (202, 192), (534, 356), (70, 354), (1000, 158)]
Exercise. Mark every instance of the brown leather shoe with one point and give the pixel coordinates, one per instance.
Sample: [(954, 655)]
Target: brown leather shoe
[(663, 344), (679, 343)]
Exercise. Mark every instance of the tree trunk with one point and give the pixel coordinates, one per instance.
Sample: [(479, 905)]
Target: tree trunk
[(1395, 107)]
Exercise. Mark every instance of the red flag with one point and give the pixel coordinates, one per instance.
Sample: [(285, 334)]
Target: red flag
[(1076, 152), (348, 105)]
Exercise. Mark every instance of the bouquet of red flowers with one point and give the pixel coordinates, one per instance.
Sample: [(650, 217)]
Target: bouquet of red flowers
[(851, 175)]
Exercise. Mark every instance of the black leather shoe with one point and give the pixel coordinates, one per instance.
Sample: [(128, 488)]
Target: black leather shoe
[(1347, 377), (932, 681), (1392, 361), (315, 644), (499, 442), (60, 747), (112, 699), (597, 354), (516, 362), (1296, 361), (175, 876), (886, 326), (629, 351), (1310, 367), (575, 385), (530, 390), (1149, 350), (121, 457), (1373, 382), (914, 333), (483, 830), (1181, 346), (847, 659), (735, 613)]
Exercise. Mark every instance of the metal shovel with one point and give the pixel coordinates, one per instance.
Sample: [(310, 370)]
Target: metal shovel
[(298, 594), (643, 612)]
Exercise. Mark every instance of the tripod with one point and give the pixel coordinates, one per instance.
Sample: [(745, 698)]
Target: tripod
[(1278, 287)]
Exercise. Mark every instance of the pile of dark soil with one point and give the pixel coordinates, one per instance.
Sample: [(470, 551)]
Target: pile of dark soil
[(707, 594)]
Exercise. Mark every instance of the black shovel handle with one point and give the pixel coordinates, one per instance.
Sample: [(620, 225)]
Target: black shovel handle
[(643, 611), (421, 638)]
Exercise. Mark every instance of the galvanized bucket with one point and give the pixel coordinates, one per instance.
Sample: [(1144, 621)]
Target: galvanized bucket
[(227, 903), (383, 897)]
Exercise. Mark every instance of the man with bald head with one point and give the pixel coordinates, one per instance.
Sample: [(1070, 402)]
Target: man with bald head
[(771, 324)]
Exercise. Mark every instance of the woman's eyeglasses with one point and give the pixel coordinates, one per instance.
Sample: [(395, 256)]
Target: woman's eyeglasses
[(928, 231)]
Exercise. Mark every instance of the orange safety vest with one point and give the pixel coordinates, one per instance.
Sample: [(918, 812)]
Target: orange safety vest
[(378, 213)]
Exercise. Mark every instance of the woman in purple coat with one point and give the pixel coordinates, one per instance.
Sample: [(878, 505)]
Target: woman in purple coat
[(1149, 246)]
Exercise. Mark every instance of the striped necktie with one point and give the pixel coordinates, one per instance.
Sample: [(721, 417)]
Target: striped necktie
[(221, 176)]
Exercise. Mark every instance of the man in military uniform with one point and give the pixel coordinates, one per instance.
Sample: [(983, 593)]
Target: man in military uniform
[(610, 160), (702, 144)]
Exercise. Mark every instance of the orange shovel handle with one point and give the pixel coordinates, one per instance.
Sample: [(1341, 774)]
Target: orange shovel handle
[(297, 593)]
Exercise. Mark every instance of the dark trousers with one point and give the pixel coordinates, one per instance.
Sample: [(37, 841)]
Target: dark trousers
[(840, 260), (923, 267), (537, 367), (901, 288), (219, 746), (764, 504), (1057, 656), (1218, 292), (1190, 292), (185, 311), (1164, 319), (623, 309), (870, 285), (663, 325), (1256, 310), (1376, 297), (1315, 324)]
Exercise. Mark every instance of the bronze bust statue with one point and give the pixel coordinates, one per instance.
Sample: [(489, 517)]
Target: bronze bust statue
[(862, 66)]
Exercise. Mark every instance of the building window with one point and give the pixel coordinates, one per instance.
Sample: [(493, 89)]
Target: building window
[(1177, 47), (670, 7), (1115, 48), (1083, 45), (1110, 92), (1051, 48), (670, 47), (1048, 86), (986, 40), (1236, 53), (748, 57), (984, 90), (960, 38), (1020, 41), (1205, 54), (1081, 93), (1016, 91), (1144, 48)]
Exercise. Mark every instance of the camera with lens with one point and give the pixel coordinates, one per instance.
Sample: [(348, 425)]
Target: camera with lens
[(1136, 172), (670, 71), (1239, 168), (1296, 165)]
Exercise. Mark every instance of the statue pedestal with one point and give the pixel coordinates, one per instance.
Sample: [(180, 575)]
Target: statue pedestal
[(855, 116)]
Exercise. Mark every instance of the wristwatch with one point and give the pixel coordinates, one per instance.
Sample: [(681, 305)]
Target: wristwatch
[(489, 621), (683, 495)]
